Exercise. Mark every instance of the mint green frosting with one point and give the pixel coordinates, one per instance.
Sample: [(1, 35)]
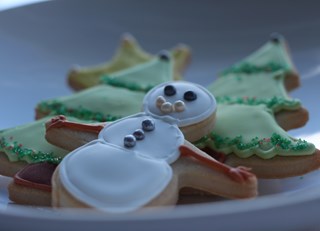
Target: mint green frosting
[(100, 103), (247, 130), (244, 86), (120, 96), (274, 103), (270, 57), (258, 77), (131, 86), (247, 68), (27, 143), (141, 77)]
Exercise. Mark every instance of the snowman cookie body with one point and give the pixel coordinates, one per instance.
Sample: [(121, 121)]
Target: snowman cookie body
[(114, 174)]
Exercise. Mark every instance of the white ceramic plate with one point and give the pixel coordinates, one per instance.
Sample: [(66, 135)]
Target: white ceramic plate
[(39, 43)]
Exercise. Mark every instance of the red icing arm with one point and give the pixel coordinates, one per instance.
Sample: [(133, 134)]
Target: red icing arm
[(239, 174), (61, 121), (219, 156)]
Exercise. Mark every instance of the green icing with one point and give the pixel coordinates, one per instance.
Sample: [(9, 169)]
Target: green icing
[(252, 130), (16, 152), (274, 103), (247, 68), (131, 86), (122, 95), (242, 85), (248, 89), (27, 143), (57, 108), (270, 57), (100, 103), (141, 77), (259, 76)]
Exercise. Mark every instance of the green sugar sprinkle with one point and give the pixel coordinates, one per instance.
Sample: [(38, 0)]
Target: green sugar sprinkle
[(247, 68), (269, 102), (275, 141), (18, 151), (130, 86), (57, 108)]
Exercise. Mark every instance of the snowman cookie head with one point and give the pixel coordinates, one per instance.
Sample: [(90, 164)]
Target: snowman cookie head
[(191, 106)]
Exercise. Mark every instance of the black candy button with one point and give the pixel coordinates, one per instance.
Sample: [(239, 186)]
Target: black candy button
[(138, 134), (148, 125), (129, 141)]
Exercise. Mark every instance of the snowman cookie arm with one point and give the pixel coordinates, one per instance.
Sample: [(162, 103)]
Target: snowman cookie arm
[(70, 135), (238, 174), (198, 170)]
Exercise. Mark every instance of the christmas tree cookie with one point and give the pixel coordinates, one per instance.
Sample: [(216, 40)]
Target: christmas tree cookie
[(119, 95), (271, 57), (129, 54), (264, 77), (249, 136)]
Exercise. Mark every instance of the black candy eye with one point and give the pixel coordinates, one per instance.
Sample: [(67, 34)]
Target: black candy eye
[(129, 141), (190, 96), (138, 134), (169, 90), (148, 125), (276, 38), (164, 56)]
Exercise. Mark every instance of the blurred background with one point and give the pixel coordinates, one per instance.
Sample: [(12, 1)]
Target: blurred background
[(8, 4)]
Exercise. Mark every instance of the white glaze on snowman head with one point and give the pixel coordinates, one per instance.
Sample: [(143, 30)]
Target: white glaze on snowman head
[(187, 103)]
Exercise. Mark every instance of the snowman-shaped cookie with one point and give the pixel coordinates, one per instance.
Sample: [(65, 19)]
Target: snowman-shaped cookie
[(144, 159)]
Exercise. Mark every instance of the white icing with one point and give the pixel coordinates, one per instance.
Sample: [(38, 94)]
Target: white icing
[(161, 143), (111, 178), (194, 111), (106, 175)]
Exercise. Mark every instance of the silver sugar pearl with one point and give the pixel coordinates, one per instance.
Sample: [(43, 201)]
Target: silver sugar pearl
[(129, 141)]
